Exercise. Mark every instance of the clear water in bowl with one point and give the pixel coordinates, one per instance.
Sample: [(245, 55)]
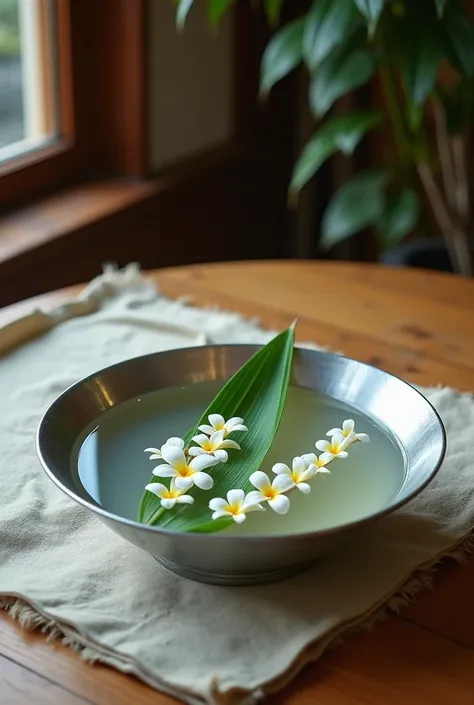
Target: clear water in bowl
[(110, 467)]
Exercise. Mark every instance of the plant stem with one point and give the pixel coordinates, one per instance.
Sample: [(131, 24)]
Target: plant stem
[(396, 118), (445, 157), (155, 516), (460, 168)]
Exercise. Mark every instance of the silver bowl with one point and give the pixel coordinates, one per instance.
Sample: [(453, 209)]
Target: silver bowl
[(234, 560)]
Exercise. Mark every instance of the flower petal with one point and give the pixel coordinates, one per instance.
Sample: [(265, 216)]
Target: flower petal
[(323, 471), (239, 518), (304, 487), (196, 450), (363, 437), (200, 439), (168, 502), (254, 498), (202, 480), (235, 497), (309, 458), (174, 456), (184, 483), (310, 472), (252, 507), (299, 464), (325, 458), (155, 487), (259, 480), (348, 426), (280, 504), (221, 456), (217, 438), (238, 427), (281, 469), (164, 471), (230, 444), (283, 483), (201, 462), (216, 420), (342, 454), (218, 504), (153, 450), (232, 422), (324, 446), (208, 430), (334, 431), (175, 441), (185, 499), (221, 513)]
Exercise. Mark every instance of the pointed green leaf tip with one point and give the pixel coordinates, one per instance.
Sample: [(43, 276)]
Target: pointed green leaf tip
[(257, 392)]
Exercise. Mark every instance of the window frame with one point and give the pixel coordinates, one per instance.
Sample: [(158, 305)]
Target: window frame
[(102, 55)]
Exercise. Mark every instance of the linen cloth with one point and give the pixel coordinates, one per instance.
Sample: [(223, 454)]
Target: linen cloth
[(60, 568)]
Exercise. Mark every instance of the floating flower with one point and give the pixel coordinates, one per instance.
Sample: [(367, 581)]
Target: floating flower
[(185, 473), (271, 492), (348, 431), (218, 423), (320, 463), (215, 445), (300, 472), (157, 453), (170, 496), (335, 448), (236, 506)]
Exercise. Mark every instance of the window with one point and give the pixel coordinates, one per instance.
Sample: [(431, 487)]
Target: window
[(28, 85)]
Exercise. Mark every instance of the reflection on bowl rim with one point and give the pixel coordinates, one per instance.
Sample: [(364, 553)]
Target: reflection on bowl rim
[(221, 535)]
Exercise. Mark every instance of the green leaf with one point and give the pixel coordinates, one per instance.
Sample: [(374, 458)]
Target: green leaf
[(327, 24), (420, 66), (359, 203), (342, 71), (283, 53), (343, 132), (400, 217), (371, 9), (216, 9), (257, 392), (273, 9), (460, 31), (440, 5), (182, 12)]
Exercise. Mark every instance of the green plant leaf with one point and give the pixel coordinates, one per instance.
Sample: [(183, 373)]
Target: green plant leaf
[(359, 203), (460, 31), (216, 9), (400, 217), (273, 9), (342, 71), (257, 392), (371, 9), (420, 65), (182, 12), (283, 53), (341, 133), (327, 24)]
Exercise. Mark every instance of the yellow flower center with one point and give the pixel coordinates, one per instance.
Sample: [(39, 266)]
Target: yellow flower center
[(219, 426), (270, 492), (184, 471), (234, 509)]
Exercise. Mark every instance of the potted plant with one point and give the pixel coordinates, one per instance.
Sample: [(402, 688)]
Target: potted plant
[(421, 54)]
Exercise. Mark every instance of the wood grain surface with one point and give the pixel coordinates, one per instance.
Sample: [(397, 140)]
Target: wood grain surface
[(416, 324)]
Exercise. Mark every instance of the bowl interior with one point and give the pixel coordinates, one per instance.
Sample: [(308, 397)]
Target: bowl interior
[(387, 402)]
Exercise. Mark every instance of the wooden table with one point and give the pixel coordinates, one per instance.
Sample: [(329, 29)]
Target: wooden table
[(417, 324)]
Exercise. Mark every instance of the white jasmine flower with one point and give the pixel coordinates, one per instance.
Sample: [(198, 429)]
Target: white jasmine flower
[(236, 506), (320, 463), (185, 473), (335, 448), (348, 431), (169, 496), (271, 492), (299, 474), (218, 423), (214, 445), (157, 453)]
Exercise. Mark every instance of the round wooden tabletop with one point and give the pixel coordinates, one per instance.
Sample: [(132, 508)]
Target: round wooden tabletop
[(416, 324)]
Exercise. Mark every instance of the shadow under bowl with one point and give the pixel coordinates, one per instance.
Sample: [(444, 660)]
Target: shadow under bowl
[(230, 559)]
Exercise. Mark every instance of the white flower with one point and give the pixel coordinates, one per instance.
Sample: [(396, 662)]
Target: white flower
[(301, 471), (348, 431), (185, 473), (213, 446), (236, 506), (320, 463), (169, 496), (335, 448), (157, 453), (271, 492), (218, 423)]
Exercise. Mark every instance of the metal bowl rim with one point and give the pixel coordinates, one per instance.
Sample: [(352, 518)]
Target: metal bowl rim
[(220, 536)]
